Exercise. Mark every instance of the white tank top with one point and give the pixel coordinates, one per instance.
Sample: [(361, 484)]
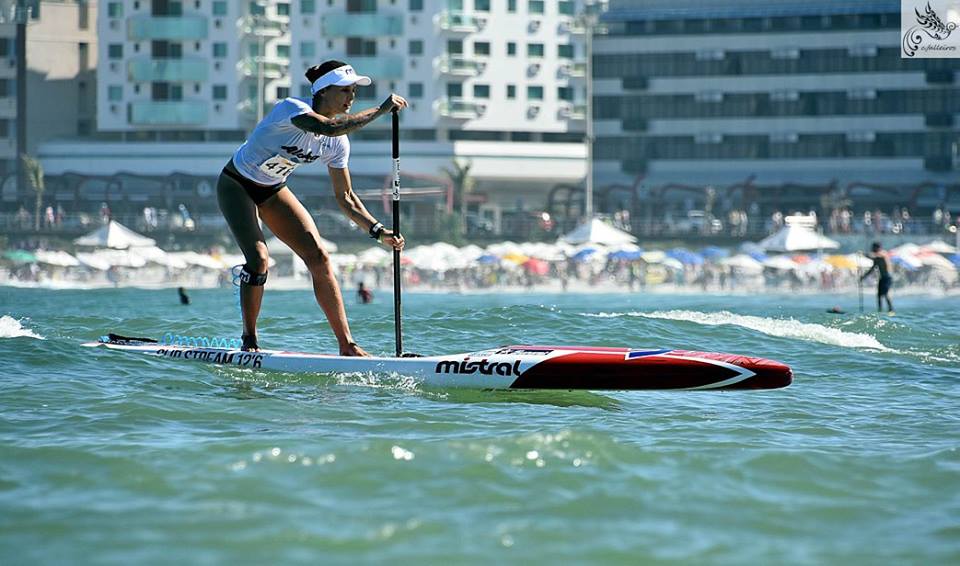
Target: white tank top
[(276, 147)]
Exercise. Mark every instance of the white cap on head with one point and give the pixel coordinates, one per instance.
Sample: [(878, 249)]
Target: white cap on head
[(341, 76)]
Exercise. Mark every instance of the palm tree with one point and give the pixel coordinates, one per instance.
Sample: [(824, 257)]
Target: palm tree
[(463, 184), (33, 171)]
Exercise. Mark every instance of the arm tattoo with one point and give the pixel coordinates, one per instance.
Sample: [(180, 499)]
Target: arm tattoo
[(337, 126)]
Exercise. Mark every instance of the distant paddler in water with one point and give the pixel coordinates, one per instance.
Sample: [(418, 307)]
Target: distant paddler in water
[(881, 264), (252, 187)]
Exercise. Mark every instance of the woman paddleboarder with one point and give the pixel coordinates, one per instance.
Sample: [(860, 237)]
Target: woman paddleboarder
[(252, 187)]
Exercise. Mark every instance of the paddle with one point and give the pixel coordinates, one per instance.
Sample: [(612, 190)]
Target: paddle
[(396, 231), (859, 283)]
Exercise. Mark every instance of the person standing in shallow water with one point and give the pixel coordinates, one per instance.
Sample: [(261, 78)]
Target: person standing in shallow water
[(882, 265), (252, 187)]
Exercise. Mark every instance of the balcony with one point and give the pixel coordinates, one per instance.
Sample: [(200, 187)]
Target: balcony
[(145, 70), (8, 67), (360, 25), (168, 113), (273, 68), (183, 28), (460, 66), (573, 27), (458, 22), (574, 69), (460, 109), (573, 112), (260, 26)]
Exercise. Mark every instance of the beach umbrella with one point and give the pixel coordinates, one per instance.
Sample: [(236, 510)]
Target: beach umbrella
[(742, 262), (908, 262), (780, 262), (672, 263), (624, 255), (841, 261), (940, 247), (714, 252), (906, 249), (57, 258), (685, 256), (198, 260), (92, 260), (515, 258), (536, 266), (487, 259), (596, 231), (796, 238), (653, 256), (584, 254), (20, 256), (955, 259), (936, 261), (374, 255), (114, 235), (158, 256), (501, 249)]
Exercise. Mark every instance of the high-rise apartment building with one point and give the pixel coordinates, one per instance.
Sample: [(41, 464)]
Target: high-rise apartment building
[(791, 100), (190, 70)]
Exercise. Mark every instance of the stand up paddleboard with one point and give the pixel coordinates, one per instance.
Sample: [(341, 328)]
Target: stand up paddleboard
[(509, 367)]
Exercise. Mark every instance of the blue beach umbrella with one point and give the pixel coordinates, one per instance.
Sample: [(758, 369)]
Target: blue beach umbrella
[(685, 256), (583, 254), (903, 263), (714, 252), (487, 259), (955, 258), (625, 255)]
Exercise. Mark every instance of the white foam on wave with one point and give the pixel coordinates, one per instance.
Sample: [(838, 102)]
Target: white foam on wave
[(784, 328), (11, 328)]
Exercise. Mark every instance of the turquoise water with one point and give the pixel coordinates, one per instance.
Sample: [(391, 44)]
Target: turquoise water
[(106, 458)]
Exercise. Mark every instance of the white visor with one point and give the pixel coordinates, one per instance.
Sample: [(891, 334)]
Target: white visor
[(341, 76)]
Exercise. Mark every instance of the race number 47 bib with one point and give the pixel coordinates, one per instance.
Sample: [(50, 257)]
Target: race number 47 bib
[(278, 167)]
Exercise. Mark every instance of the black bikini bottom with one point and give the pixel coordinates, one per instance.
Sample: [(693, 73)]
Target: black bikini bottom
[(257, 193)]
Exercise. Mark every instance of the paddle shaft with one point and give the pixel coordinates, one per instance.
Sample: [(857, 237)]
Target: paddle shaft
[(859, 282), (396, 230)]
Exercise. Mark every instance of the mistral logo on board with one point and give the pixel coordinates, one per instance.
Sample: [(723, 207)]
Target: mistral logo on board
[(927, 29)]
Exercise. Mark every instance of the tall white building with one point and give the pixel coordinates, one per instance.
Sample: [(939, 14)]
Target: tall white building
[(498, 84), (174, 70)]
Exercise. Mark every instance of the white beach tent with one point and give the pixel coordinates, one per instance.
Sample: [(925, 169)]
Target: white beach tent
[(798, 235), (597, 231), (114, 235)]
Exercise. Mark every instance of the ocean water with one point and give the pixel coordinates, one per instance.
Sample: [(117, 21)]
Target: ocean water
[(113, 459)]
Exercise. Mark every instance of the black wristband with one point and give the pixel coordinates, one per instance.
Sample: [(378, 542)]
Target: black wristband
[(376, 231)]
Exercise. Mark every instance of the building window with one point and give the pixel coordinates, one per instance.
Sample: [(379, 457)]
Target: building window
[(416, 90), (416, 5), (535, 92), (535, 6), (481, 5), (283, 51), (115, 51), (219, 92), (565, 51), (115, 9), (305, 92), (455, 46), (361, 6), (219, 8), (115, 93), (219, 50), (565, 7), (308, 49), (481, 48), (511, 48), (511, 91), (283, 92), (283, 9), (534, 50), (565, 93), (511, 5), (415, 47), (481, 91), (257, 9), (362, 47), (308, 7), (455, 5), (454, 90)]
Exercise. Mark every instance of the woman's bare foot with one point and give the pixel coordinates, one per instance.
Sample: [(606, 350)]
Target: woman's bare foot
[(351, 349), (249, 344)]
